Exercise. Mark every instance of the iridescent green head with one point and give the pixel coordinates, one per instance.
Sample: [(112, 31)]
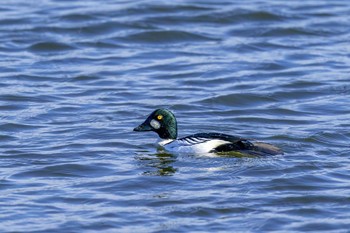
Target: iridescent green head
[(161, 121)]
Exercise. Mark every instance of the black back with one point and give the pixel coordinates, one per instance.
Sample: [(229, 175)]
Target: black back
[(219, 136)]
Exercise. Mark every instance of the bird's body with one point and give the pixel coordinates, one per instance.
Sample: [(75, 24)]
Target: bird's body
[(164, 123)]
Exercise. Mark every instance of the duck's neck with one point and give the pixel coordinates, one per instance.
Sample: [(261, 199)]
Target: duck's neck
[(163, 142), (168, 130)]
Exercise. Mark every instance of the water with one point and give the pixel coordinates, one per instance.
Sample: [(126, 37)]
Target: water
[(78, 76)]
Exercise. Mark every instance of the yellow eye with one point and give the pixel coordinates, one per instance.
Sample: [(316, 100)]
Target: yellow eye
[(159, 117)]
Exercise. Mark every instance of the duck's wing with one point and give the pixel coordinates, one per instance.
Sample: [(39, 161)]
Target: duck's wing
[(193, 140), (225, 142)]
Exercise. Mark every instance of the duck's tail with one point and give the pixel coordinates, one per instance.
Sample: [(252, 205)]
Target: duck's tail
[(261, 148)]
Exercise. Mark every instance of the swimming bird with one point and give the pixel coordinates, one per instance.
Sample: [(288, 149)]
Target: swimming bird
[(163, 122)]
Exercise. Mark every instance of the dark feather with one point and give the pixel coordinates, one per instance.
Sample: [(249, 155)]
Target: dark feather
[(237, 146)]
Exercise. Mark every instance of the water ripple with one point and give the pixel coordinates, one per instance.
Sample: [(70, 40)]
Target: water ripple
[(165, 37), (52, 47)]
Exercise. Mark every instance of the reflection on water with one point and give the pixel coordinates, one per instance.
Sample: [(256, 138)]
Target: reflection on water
[(159, 164)]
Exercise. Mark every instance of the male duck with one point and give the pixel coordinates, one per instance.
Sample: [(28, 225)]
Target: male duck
[(163, 122)]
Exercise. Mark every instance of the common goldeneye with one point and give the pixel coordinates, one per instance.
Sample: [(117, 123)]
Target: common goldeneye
[(163, 122)]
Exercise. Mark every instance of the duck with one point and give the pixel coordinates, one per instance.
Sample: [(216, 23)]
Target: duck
[(163, 122)]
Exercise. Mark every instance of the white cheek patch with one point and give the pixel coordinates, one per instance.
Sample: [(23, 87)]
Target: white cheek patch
[(155, 124)]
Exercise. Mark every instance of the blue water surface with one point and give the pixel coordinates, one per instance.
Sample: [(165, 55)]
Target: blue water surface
[(77, 76)]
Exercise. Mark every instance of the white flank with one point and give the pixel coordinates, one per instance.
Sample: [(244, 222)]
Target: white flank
[(181, 146)]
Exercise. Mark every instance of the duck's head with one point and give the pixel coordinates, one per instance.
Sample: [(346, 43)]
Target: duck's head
[(161, 121)]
